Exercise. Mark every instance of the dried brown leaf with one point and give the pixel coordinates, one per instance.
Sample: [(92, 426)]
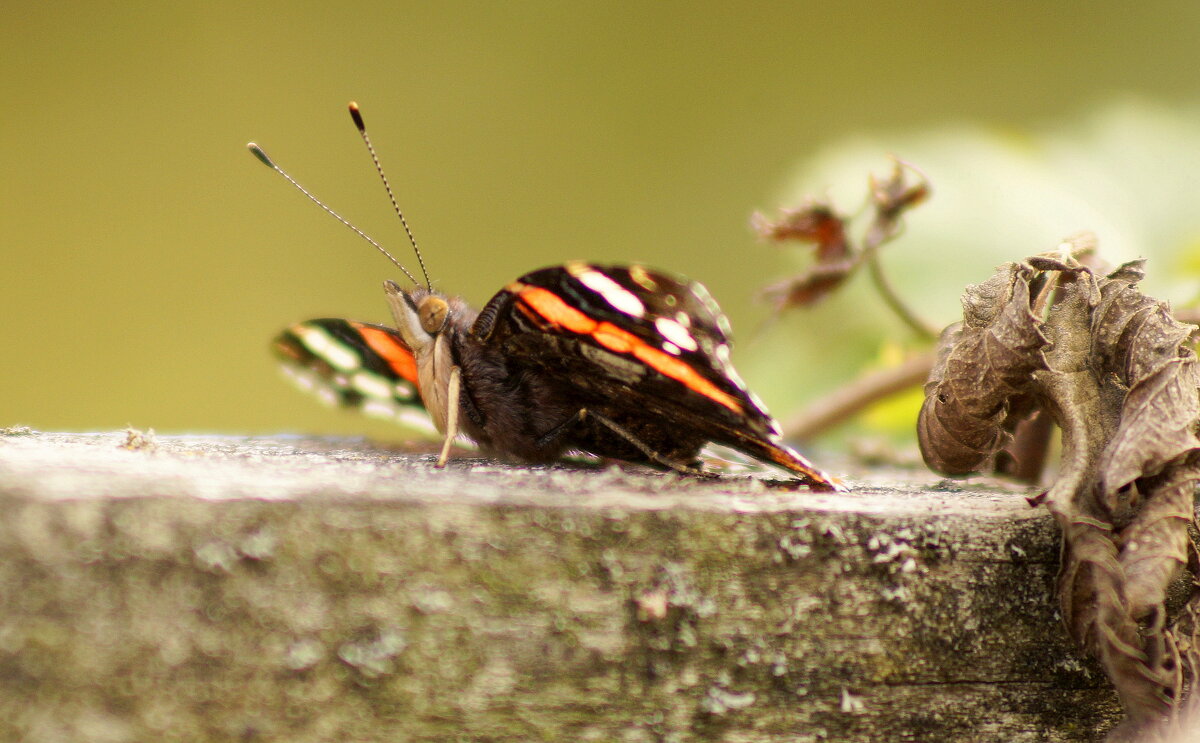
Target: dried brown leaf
[(1154, 546), (1158, 426), (837, 256), (809, 287), (983, 371), (1136, 339), (1091, 589), (813, 222), (894, 194), (1133, 333)]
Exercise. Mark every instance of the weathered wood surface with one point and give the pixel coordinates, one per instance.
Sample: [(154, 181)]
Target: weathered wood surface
[(286, 589)]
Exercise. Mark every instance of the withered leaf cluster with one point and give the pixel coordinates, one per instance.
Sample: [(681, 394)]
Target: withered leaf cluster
[(1116, 372), (837, 255)]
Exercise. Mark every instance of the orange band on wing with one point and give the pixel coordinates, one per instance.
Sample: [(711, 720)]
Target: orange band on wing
[(398, 357), (550, 308)]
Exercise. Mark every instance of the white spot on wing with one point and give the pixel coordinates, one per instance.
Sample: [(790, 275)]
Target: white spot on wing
[(326, 347), (301, 377), (642, 277), (371, 385), (700, 292), (379, 409), (616, 295), (671, 348), (405, 415), (328, 396), (758, 403), (722, 354), (675, 333)]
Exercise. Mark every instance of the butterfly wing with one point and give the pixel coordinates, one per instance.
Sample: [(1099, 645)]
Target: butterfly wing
[(355, 365), (643, 346)]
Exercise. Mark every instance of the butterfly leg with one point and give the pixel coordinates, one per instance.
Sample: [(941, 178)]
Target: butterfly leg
[(641, 446), (562, 429), (452, 398)]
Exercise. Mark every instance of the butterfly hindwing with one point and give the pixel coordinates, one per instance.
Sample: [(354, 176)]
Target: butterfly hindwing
[(356, 365)]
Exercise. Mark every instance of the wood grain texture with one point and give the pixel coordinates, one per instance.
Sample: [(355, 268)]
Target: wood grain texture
[(288, 589)]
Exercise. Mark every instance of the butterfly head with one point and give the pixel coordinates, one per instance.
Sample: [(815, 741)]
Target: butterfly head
[(422, 319), (420, 315)]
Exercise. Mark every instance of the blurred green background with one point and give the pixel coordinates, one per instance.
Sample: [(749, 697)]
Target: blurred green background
[(147, 259)]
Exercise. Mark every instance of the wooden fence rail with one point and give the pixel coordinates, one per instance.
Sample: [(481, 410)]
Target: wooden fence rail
[(289, 589)]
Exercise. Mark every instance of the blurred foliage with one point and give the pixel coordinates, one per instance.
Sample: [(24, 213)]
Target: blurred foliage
[(1125, 172), (894, 415)]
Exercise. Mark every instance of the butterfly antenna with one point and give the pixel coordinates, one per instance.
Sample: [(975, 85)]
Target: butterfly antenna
[(262, 157), (362, 130)]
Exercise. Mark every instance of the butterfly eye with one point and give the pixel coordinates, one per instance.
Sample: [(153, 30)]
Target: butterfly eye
[(433, 312)]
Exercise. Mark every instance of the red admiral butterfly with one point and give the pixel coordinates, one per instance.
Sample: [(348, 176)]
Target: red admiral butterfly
[(615, 361)]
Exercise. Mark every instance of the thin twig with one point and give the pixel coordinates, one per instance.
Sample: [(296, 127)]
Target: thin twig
[(882, 230), (852, 398)]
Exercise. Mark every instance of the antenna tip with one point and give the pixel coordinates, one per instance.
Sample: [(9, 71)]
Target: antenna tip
[(262, 156), (357, 116)]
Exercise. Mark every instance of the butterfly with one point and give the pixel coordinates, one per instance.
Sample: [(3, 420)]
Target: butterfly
[(616, 361)]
